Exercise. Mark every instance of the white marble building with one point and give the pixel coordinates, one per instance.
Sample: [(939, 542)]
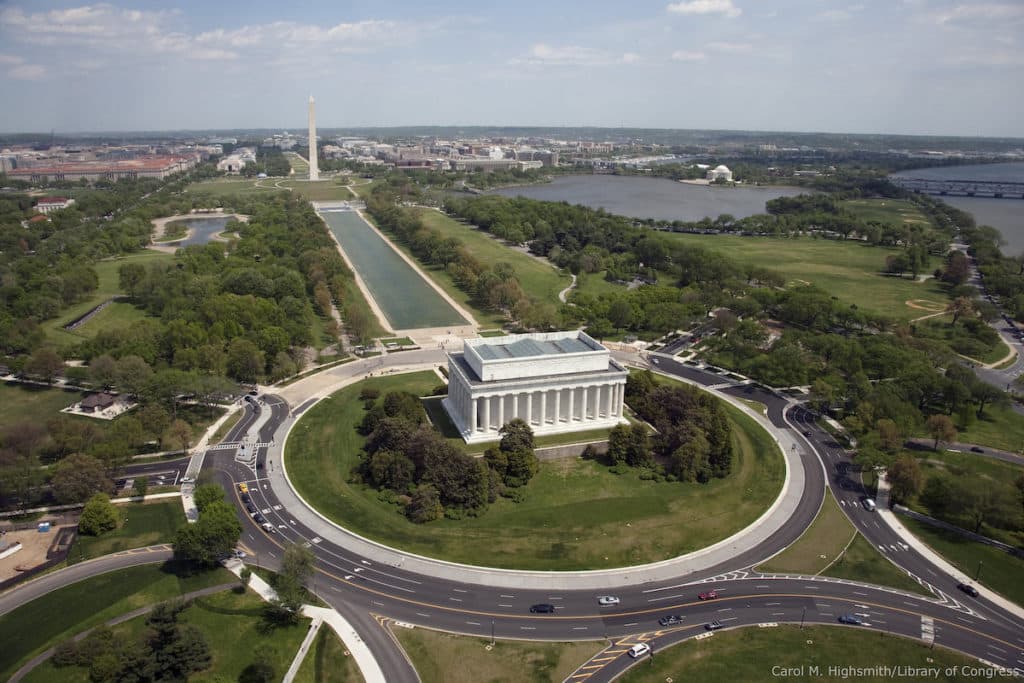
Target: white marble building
[(556, 382)]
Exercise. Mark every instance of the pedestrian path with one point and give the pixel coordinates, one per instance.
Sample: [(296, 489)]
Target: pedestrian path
[(889, 517)]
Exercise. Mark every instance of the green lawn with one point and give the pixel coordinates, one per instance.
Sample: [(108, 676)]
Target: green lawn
[(324, 190), (1000, 571), (540, 281), (401, 341), (749, 654), (62, 613), (595, 285), (234, 185), (447, 658), (820, 551), (298, 163), (117, 315), (1000, 428), (850, 271), (35, 403), (892, 211), (108, 287), (233, 626), (142, 524), (820, 544), (327, 661), (576, 515)]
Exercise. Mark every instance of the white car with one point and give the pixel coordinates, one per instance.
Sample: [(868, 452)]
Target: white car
[(639, 650), (606, 600)]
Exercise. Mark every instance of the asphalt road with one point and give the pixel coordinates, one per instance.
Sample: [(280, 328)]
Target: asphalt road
[(366, 592)]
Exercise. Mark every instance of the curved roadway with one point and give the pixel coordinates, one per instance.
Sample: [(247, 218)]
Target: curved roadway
[(368, 592)]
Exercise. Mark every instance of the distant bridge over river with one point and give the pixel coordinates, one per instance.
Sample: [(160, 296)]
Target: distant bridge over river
[(962, 188)]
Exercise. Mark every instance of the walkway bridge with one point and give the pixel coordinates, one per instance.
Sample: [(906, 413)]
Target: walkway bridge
[(962, 188)]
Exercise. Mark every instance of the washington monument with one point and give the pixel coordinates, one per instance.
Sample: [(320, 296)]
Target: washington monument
[(314, 171)]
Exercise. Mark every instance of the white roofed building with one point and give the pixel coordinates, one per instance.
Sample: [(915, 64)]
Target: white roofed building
[(556, 382), (720, 172)]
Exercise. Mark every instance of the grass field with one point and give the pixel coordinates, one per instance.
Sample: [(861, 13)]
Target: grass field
[(32, 402), (323, 190), (299, 165), (232, 625), (62, 613), (594, 284), (849, 271), (540, 281), (228, 186), (999, 571), (892, 211), (575, 515), (142, 524), (108, 287), (749, 654), (116, 315), (1000, 428), (326, 661), (446, 658), (820, 551)]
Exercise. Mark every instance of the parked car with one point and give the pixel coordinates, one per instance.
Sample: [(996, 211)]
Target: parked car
[(260, 519), (968, 588), (268, 527), (607, 600), (542, 608), (246, 498), (852, 619), (670, 620), (713, 625), (250, 508), (242, 487), (708, 595), (977, 449), (639, 650)]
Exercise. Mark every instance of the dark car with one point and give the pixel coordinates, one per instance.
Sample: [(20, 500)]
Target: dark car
[(851, 619), (542, 608), (251, 508), (968, 588), (708, 595), (807, 432), (713, 625), (246, 498), (977, 449), (260, 519), (670, 620)]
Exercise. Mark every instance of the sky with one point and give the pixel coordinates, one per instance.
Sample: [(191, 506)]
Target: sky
[(928, 67)]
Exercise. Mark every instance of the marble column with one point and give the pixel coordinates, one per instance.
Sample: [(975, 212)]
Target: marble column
[(572, 404), (558, 406), (501, 411), (543, 408), (472, 424), (529, 407), (487, 414)]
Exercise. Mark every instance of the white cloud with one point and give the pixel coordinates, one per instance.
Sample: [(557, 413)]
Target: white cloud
[(734, 48), (839, 15), (11, 59), (983, 12), (542, 54), (724, 7), (688, 56)]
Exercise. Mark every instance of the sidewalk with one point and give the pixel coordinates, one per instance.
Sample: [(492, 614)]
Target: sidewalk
[(889, 517), (772, 520), (365, 660)]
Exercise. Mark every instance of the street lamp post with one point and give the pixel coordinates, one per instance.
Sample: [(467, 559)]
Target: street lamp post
[(802, 615), (978, 572), (492, 632)]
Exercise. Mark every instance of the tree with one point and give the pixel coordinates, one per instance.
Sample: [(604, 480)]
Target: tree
[(888, 435), (130, 277), (103, 371), (207, 494), (296, 568), (941, 428), (245, 361), (45, 364), (425, 504), (515, 435), (98, 516), (960, 306), (212, 537), (140, 486), (77, 477), (133, 375), (260, 671), (905, 478), (244, 576), (178, 435), (984, 394)]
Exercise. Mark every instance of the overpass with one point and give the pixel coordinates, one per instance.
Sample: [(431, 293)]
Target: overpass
[(962, 188)]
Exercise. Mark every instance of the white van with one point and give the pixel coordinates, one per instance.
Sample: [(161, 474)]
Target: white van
[(639, 650), (869, 504)]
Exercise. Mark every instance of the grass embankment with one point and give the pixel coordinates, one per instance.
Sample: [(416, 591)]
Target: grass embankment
[(298, 163), (108, 287), (35, 403), (233, 626), (540, 281), (594, 284), (821, 551), (576, 514), (446, 658), (62, 613), (1000, 428), (750, 654), (141, 524), (850, 271), (328, 662), (222, 431), (175, 230), (229, 186), (999, 571), (323, 190)]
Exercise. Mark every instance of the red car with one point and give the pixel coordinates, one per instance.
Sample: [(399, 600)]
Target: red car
[(710, 595)]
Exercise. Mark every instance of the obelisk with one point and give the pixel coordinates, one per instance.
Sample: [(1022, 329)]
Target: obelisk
[(314, 171)]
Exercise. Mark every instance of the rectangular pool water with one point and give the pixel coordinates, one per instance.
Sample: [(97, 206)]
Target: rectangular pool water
[(406, 300)]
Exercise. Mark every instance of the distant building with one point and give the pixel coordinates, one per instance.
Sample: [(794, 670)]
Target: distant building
[(556, 382), (140, 167), (94, 402), (48, 204), (720, 172), (482, 164)]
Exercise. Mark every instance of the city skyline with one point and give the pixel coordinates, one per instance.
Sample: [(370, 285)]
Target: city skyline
[(913, 67)]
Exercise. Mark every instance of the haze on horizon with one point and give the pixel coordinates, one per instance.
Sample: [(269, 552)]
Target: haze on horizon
[(918, 67)]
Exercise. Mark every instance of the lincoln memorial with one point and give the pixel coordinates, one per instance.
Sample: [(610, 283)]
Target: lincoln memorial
[(556, 382)]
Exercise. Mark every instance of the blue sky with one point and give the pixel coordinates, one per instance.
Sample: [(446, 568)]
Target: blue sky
[(893, 66)]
